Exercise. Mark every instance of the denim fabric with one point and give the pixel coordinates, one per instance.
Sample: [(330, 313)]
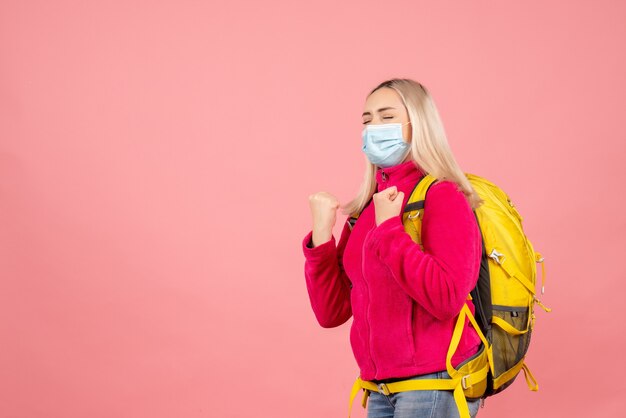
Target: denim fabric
[(417, 403)]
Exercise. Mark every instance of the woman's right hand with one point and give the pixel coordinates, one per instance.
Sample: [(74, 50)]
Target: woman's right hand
[(324, 211)]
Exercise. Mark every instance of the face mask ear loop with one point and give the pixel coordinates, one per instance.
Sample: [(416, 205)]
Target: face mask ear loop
[(409, 150)]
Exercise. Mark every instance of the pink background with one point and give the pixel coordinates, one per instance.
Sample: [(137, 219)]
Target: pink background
[(155, 163)]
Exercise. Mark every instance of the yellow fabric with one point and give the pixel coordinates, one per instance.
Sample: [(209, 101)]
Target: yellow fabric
[(545, 308), (412, 220), (512, 273), (454, 384), (507, 327), (530, 379), (456, 338)]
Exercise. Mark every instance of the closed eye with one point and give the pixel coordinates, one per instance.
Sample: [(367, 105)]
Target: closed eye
[(386, 117)]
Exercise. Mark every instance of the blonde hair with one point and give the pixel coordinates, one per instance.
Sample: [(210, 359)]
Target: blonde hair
[(429, 146)]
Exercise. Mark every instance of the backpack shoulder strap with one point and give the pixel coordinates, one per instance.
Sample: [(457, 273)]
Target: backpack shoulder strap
[(418, 196), (414, 208)]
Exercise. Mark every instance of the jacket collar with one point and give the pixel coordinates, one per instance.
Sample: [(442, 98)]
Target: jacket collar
[(408, 171)]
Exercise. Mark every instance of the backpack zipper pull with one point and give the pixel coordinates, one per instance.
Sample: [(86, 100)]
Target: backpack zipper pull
[(539, 259)]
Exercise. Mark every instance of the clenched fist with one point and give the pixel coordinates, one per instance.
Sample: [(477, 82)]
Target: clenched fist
[(324, 211), (387, 204)]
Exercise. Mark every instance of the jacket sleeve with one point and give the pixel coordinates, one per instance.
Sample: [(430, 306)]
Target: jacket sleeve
[(440, 277), (326, 281)]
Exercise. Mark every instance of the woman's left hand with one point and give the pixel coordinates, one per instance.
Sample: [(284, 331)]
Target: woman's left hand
[(387, 204)]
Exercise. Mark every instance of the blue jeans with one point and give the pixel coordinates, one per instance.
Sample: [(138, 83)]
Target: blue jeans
[(417, 403)]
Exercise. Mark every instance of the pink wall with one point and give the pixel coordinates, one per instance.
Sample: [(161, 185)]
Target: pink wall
[(155, 163)]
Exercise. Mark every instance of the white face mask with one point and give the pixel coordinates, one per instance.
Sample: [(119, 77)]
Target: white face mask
[(384, 145)]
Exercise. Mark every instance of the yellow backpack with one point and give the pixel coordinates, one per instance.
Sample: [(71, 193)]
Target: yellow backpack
[(504, 299)]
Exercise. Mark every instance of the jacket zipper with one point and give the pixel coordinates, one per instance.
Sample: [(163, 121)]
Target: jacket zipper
[(367, 314), (384, 177)]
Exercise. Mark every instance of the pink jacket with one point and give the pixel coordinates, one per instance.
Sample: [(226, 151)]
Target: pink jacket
[(404, 301)]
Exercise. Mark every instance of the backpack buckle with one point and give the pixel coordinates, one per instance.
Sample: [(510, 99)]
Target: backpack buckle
[(417, 214), (495, 255), (464, 382), (383, 388)]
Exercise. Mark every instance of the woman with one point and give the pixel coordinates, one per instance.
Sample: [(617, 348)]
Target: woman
[(404, 300)]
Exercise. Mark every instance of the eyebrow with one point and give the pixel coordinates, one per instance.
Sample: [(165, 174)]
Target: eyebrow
[(379, 110)]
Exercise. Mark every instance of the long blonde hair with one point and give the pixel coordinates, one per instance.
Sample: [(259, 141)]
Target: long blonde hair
[(429, 146)]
